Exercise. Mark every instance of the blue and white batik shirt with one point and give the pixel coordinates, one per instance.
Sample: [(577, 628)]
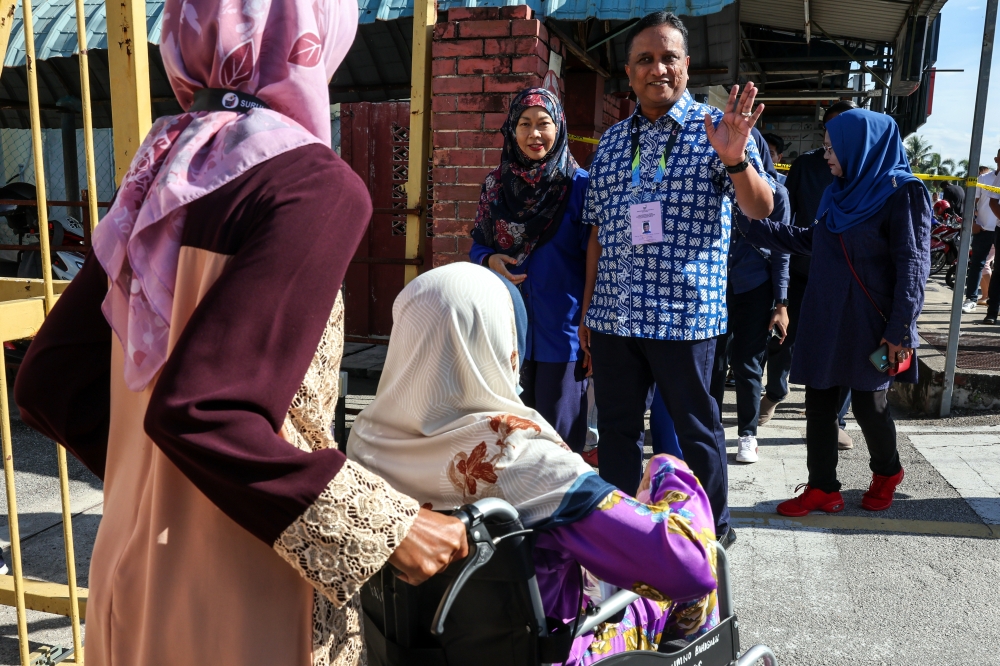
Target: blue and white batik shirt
[(676, 289)]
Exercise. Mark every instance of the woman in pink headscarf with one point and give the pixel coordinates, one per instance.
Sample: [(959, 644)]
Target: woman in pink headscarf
[(200, 386)]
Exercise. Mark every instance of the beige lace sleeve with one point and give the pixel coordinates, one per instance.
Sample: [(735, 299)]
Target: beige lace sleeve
[(348, 533)]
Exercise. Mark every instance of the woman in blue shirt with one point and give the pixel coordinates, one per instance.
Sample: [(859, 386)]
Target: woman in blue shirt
[(528, 229), (870, 260)]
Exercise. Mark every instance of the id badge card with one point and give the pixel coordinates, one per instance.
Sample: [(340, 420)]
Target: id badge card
[(646, 220)]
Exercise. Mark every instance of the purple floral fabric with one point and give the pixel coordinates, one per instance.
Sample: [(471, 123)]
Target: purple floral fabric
[(522, 200), (657, 545)]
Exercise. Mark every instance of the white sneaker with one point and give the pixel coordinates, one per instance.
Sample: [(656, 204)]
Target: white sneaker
[(969, 306), (746, 451)]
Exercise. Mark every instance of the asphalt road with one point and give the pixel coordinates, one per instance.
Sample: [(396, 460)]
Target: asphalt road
[(851, 589)]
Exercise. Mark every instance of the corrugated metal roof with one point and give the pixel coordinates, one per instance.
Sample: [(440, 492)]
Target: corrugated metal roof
[(55, 29), (55, 20), (876, 20), (566, 10)]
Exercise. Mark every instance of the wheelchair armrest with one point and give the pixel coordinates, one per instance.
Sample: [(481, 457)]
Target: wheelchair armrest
[(608, 608)]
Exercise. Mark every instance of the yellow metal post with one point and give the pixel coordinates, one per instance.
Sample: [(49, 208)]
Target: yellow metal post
[(424, 18), (7, 9), (37, 152), (15, 536), (128, 65), (88, 122)]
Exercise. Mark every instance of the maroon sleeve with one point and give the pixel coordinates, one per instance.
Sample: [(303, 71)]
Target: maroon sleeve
[(63, 387), (223, 393)]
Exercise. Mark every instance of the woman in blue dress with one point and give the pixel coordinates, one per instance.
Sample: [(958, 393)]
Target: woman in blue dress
[(529, 230), (870, 260)]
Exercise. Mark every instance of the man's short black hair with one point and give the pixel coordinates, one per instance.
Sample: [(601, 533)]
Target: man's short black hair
[(651, 21), (776, 141), (839, 107)]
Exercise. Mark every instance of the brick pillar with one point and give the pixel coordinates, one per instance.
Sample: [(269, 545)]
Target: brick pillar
[(483, 56)]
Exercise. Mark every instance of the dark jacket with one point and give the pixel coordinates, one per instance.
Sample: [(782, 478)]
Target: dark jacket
[(808, 177)]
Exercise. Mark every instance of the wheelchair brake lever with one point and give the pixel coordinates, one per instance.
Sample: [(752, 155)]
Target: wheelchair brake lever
[(481, 550)]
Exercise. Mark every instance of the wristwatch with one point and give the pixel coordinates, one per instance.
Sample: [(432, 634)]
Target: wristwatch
[(783, 301), (742, 166)]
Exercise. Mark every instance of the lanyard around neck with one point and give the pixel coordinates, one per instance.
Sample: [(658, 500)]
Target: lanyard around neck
[(662, 166)]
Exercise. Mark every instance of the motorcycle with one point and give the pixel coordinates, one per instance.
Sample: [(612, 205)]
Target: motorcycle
[(23, 221), (945, 239)]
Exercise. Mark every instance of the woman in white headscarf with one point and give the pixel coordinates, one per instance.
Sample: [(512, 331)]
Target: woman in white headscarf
[(447, 428), (200, 387)]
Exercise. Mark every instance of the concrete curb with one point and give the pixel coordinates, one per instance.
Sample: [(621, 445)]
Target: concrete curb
[(974, 389)]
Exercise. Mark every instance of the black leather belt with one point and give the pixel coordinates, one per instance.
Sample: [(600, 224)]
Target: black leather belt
[(217, 99)]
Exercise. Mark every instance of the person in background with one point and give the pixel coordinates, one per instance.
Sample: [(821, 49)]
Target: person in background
[(776, 149), (984, 283), (987, 218), (655, 303), (528, 230), (807, 180), (871, 259), (954, 194), (983, 239), (757, 303)]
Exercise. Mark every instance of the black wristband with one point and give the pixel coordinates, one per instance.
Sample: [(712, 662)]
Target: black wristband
[(485, 263), (742, 166), (783, 301)]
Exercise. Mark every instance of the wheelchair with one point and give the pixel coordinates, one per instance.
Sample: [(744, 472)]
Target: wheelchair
[(487, 610)]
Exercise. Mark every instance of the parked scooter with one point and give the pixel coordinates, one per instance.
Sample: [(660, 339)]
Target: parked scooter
[(945, 239), (23, 221)]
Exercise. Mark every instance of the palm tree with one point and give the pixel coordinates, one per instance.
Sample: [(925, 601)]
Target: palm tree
[(918, 152)]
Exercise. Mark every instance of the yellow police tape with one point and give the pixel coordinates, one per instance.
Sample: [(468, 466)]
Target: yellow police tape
[(969, 182)]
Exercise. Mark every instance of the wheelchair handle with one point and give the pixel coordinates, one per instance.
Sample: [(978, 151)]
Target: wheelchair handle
[(481, 549)]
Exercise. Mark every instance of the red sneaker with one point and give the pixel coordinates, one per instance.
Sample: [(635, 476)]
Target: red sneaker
[(881, 490), (812, 499), (590, 457)]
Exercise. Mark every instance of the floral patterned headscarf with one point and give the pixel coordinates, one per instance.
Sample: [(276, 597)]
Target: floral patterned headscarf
[(446, 426), (523, 200), (281, 51)]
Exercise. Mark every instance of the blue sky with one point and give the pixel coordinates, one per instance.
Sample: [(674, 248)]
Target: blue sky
[(949, 128)]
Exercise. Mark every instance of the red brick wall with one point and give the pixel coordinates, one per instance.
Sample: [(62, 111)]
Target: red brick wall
[(482, 57)]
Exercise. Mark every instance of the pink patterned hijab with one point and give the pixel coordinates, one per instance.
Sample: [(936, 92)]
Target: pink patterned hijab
[(282, 51)]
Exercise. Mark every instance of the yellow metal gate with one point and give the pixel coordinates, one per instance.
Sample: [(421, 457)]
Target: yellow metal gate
[(24, 303)]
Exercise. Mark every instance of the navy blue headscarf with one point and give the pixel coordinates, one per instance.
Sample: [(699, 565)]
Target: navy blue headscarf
[(871, 154)]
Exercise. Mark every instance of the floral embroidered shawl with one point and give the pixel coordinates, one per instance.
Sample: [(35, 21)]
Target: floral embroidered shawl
[(446, 426), (282, 51), (523, 200)]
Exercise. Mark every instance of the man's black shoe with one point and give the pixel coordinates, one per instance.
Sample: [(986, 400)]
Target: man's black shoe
[(728, 539), (990, 321)]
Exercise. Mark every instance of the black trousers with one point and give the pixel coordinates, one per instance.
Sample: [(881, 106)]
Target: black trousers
[(624, 370), (743, 348), (871, 412)]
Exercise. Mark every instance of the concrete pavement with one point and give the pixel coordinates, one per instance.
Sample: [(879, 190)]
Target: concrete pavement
[(913, 585)]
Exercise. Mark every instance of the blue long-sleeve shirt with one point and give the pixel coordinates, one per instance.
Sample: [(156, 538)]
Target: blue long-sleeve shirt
[(553, 290), (749, 266), (839, 327)]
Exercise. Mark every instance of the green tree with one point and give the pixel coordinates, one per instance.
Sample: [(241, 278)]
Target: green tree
[(919, 152)]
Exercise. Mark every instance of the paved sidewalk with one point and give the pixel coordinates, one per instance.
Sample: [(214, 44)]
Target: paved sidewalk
[(913, 585), (977, 376)]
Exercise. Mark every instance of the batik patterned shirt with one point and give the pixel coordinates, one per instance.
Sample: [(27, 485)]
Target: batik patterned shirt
[(676, 289)]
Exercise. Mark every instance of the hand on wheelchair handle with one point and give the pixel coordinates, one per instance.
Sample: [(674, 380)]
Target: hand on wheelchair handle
[(434, 542)]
